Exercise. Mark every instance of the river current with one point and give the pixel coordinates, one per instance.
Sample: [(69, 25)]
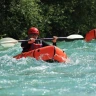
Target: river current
[(29, 77)]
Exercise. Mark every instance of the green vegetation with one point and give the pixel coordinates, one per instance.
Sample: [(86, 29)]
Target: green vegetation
[(51, 17)]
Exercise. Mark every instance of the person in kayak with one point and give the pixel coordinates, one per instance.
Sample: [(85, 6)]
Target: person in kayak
[(33, 42)]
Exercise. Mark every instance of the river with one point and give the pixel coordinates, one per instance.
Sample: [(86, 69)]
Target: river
[(29, 77)]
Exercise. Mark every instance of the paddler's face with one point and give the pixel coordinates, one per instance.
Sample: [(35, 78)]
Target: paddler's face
[(33, 36)]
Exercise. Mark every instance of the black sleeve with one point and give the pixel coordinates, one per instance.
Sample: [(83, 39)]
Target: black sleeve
[(54, 44), (25, 43), (25, 46)]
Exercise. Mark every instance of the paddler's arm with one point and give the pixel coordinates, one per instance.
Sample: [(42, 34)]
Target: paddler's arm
[(23, 44), (54, 40), (26, 44)]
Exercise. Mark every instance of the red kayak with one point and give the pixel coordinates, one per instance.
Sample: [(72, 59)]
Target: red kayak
[(48, 53)]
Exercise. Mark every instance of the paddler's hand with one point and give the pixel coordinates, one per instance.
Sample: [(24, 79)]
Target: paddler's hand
[(31, 40), (54, 39)]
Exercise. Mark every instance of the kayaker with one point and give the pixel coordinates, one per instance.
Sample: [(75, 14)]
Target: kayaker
[(33, 43)]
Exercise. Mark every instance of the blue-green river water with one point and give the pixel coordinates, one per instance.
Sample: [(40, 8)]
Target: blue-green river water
[(29, 77)]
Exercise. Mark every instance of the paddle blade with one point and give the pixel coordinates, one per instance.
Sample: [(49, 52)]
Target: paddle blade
[(75, 36), (7, 42), (90, 35)]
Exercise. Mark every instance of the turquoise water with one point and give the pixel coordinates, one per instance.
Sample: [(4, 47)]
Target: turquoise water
[(29, 77)]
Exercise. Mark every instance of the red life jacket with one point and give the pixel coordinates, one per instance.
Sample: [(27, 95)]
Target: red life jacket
[(35, 46)]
